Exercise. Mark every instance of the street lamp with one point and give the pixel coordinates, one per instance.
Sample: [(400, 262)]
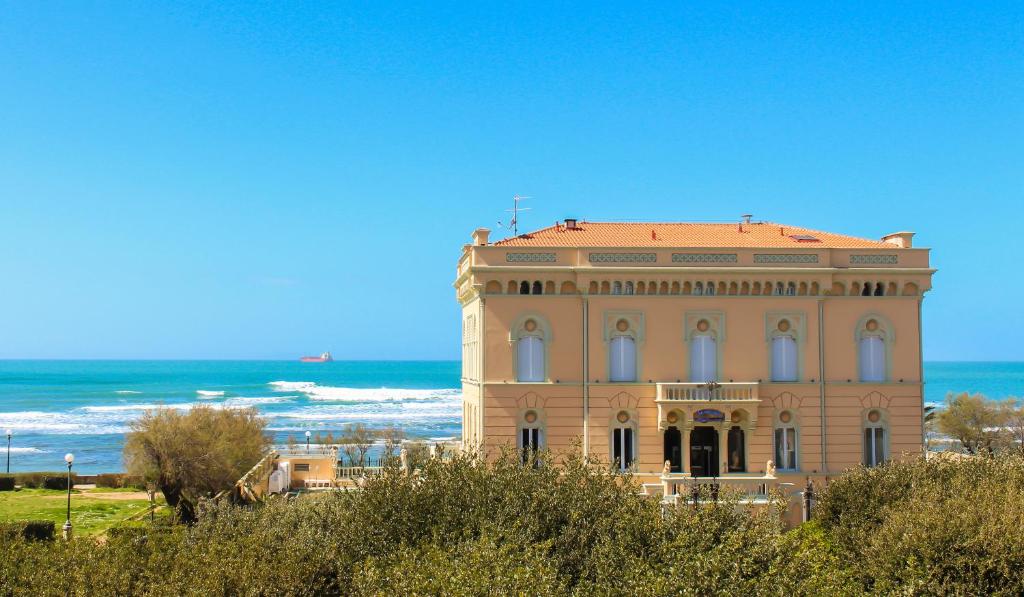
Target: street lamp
[(70, 459), (9, 451), (307, 441)]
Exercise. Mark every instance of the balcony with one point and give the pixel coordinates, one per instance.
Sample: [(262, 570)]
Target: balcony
[(710, 399), (679, 488)]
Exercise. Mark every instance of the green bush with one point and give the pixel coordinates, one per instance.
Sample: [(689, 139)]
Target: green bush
[(468, 528), (34, 480), (56, 482), (30, 530), (939, 526), (109, 480), (6, 482)]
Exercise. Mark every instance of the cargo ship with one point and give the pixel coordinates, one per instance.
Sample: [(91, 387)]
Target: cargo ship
[(323, 358)]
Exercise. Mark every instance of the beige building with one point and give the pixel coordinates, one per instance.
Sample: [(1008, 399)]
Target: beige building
[(713, 347)]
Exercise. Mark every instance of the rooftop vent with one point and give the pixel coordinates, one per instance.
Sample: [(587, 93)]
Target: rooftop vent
[(805, 238), (746, 218), (570, 224)]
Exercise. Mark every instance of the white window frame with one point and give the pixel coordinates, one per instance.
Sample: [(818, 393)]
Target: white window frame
[(784, 449), (795, 377), (619, 433)]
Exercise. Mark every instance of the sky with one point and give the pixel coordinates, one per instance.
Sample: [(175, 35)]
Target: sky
[(264, 180)]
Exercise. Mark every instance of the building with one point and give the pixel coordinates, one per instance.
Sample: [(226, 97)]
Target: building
[(695, 349)]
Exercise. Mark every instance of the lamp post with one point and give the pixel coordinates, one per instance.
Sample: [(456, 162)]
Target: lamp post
[(9, 451), (307, 441), (70, 459)]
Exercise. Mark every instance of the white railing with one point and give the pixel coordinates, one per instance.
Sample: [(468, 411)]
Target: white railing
[(678, 487), (726, 391), (355, 472)]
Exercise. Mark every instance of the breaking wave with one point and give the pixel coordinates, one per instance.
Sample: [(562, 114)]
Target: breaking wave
[(340, 394)]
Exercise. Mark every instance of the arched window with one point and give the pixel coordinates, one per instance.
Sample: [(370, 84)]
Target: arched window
[(866, 290), (623, 442), (524, 288), (791, 289), (784, 358), (703, 358), (538, 288), (698, 288), (779, 291), (875, 451), (629, 288), (709, 289), (530, 337), (872, 347), (879, 289), (623, 358), (617, 288), (531, 437), (786, 442)]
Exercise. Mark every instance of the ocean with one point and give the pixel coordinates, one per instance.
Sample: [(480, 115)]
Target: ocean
[(84, 407)]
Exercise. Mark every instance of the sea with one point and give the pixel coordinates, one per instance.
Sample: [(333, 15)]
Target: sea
[(85, 407)]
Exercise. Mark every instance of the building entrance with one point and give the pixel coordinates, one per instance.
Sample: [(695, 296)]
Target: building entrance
[(704, 452)]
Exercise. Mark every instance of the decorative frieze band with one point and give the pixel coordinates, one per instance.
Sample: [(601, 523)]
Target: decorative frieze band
[(703, 257), (785, 258), (874, 259), (530, 257), (623, 257)]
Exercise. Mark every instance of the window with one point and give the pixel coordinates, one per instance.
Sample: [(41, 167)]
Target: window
[(874, 439), (872, 359), (784, 358), (302, 467), (709, 289), (629, 288), (529, 444), (623, 442), (703, 359), (524, 288), (623, 359), (530, 359), (617, 288), (538, 288), (791, 289), (698, 288), (786, 442)]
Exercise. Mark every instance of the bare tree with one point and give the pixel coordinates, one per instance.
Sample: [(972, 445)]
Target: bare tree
[(392, 437), (195, 453), (355, 440)]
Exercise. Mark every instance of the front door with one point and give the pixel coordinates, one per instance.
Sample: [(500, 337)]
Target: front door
[(704, 452)]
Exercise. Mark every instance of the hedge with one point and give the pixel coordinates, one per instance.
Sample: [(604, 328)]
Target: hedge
[(120, 481), (6, 482), (56, 482), (31, 530), (36, 480)]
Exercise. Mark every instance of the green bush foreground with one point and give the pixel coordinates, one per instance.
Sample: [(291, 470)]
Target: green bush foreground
[(467, 528)]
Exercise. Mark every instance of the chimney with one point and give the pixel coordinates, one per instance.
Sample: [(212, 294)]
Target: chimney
[(480, 236), (570, 224), (903, 240), (746, 218)]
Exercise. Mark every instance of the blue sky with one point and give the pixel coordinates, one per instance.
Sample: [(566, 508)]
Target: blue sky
[(221, 180)]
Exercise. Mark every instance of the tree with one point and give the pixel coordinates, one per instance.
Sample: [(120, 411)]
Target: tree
[(1013, 419), (392, 437), (356, 440), (194, 453), (974, 420)]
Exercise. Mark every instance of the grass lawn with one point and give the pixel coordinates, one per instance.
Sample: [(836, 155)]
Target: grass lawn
[(92, 511)]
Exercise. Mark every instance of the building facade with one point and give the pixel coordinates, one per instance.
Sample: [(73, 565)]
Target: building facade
[(706, 350)]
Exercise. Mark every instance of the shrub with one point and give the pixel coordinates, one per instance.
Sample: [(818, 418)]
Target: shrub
[(56, 482), (30, 530), (111, 480), (939, 526), (34, 480), (6, 482)]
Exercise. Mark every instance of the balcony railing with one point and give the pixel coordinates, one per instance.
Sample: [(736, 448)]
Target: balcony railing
[(711, 391), (681, 487)]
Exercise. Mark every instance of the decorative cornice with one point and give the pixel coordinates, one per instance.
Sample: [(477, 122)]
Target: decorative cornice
[(530, 257), (623, 257), (704, 258), (785, 258), (874, 259)]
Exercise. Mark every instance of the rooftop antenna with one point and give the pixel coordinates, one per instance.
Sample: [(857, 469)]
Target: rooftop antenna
[(513, 224)]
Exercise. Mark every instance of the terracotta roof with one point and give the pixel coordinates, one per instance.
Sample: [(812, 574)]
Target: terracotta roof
[(687, 234)]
